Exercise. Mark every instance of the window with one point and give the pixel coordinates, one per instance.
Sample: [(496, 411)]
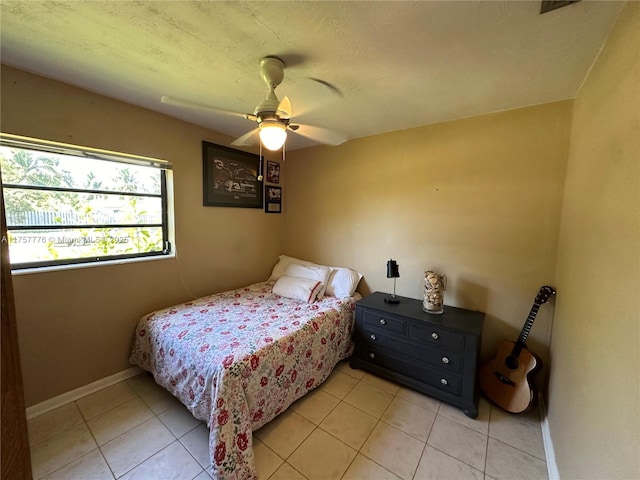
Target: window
[(67, 205)]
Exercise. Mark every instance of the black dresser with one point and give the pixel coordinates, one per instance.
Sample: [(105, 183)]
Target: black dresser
[(433, 354)]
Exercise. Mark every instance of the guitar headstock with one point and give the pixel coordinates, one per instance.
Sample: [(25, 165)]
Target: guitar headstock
[(545, 293)]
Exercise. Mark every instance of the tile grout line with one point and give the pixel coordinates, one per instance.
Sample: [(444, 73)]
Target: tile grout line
[(378, 420), (373, 429), (271, 450), (318, 426), (508, 444), (486, 446), (426, 442), (358, 451), (447, 453), (176, 438), (113, 473), (99, 447)]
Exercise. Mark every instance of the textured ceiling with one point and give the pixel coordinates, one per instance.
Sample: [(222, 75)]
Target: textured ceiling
[(388, 65)]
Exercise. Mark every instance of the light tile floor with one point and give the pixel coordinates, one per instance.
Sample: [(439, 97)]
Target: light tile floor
[(354, 427)]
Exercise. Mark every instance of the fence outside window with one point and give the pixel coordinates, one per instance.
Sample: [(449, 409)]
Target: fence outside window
[(67, 204)]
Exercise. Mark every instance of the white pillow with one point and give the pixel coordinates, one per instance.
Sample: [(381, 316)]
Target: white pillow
[(302, 289), (343, 282), (283, 263), (312, 272)]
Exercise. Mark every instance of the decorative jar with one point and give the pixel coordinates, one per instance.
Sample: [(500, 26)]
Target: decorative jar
[(434, 286)]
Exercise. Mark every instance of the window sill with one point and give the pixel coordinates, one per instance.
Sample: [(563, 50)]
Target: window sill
[(75, 266)]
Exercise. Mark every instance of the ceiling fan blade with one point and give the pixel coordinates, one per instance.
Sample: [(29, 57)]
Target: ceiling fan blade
[(330, 86), (284, 108), (246, 139), (185, 104), (319, 134)]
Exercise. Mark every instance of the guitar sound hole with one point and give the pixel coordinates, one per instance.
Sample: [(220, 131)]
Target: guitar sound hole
[(511, 362)]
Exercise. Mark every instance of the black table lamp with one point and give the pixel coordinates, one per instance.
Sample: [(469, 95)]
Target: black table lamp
[(392, 272)]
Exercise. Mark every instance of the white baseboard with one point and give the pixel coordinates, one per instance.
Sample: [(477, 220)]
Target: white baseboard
[(73, 395), (549, 452)]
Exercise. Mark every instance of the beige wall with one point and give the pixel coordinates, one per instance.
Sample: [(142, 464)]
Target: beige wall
[(476, 199), (76, 326), (594, 391)]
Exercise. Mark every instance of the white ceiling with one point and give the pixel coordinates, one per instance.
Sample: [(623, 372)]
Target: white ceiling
[(395, 64)]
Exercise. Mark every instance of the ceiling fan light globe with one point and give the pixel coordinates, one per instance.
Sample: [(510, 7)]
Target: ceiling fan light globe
[(272, 135)]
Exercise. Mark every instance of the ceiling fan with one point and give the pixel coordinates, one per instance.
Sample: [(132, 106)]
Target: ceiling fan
[(273, 116)]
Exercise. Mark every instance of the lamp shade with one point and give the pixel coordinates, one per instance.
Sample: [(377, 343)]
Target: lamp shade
[(272, 134), (392, 269)]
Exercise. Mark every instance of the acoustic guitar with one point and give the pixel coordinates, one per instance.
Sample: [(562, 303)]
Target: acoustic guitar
[(507, 380)]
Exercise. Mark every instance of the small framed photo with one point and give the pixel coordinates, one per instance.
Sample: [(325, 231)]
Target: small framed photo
[(273, 172), (273, 200), (230, 177)]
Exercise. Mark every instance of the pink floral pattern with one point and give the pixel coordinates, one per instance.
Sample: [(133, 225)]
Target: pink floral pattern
[(238, 359)]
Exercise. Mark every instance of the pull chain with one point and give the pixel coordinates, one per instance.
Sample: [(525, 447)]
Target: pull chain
[(260, 166)]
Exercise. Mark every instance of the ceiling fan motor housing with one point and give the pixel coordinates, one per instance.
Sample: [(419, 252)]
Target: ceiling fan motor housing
[(271, 118), (268, 105)]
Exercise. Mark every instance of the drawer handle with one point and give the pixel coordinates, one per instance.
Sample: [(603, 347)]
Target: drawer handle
[(372, 355), (444, 381), (372, 337), (383, 321), (435, 335), (445, 360)]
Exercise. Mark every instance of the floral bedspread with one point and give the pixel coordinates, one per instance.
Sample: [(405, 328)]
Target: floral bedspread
[(238, 359)]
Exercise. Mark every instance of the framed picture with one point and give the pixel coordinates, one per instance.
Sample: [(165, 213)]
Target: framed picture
[(273, 200), (273, 172), (230, 177)]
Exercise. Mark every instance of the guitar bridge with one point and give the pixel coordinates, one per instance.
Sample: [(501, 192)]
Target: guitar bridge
[(504, 379)]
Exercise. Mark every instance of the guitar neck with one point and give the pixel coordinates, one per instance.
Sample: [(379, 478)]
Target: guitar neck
[(543, 296), (524, 333)]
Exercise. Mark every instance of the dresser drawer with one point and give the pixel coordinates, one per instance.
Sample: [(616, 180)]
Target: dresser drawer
[(383, 321), (443, 381), (382, 341), (435, 336)]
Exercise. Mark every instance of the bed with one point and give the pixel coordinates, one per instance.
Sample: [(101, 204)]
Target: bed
[(238, 359)]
